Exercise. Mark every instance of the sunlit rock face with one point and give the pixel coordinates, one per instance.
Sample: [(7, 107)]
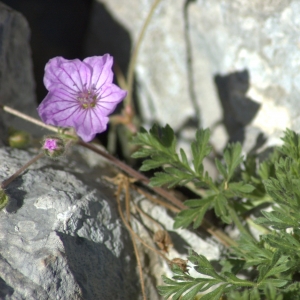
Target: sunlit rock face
[(202, 62)]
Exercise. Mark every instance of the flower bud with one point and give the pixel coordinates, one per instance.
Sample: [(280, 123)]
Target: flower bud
[(18, 139), (53, 146), (3, 199)]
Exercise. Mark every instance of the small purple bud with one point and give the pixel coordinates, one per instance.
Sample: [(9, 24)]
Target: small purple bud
[(53, 146)]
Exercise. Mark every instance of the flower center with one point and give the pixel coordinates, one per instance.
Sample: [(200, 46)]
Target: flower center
[(87, 98)]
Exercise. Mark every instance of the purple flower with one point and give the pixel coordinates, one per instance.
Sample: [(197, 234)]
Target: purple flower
[(81, 94)]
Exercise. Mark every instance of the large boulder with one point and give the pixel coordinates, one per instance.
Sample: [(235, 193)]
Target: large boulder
[(61, 236), (210, 61)]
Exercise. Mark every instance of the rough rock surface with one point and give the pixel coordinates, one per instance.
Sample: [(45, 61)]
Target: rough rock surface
[(219, 60), (61, 236), (16, 76)]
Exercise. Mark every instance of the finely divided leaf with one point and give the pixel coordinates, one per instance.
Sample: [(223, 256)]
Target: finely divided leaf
[(221, 168), (200, 148), (277, 220), (241, 187), (171, 177), (221, 208), (157, 161), (233, 158), (291, 146), (215, 294), (198, 208)]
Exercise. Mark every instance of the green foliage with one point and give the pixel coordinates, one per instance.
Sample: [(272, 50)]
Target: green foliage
[(160, 145), (187, 287), (254, 269)]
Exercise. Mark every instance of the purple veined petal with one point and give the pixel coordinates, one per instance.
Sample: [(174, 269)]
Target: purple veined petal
[(110, 97), (59, 109), (50, 71), (89, 124), (74, 75), (102, 72)]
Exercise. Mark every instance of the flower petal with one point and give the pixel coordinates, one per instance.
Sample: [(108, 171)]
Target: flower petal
[(111, 95), (89, 124), (59, 109), (102, 72), (72, 75)]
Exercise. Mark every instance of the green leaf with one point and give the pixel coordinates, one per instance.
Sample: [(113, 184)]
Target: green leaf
[(237, 281), (254, 294), (266, 170), (161, 178), (233, 158), (274, 282), (279, 264), (185, 218), (291, 146), (284, 241), (215, 294), (270, 291), (193, 292), (221, 208), (199, 218), (252, 253), (172, 177), (196, 213), (200, 149), (241, 187), (165, 136), (154, 163), (234, 295), (155, 143), (184, 158), (221, 168), (277, 220), (142, 152), (181, 290), (203, 266)]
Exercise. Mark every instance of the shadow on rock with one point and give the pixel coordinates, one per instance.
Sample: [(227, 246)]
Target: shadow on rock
[(16, 195), (238, 109), (99, 273)]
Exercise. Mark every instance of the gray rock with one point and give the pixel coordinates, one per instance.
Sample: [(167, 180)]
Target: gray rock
[(16, 75), (61, 236), (246, 51)]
